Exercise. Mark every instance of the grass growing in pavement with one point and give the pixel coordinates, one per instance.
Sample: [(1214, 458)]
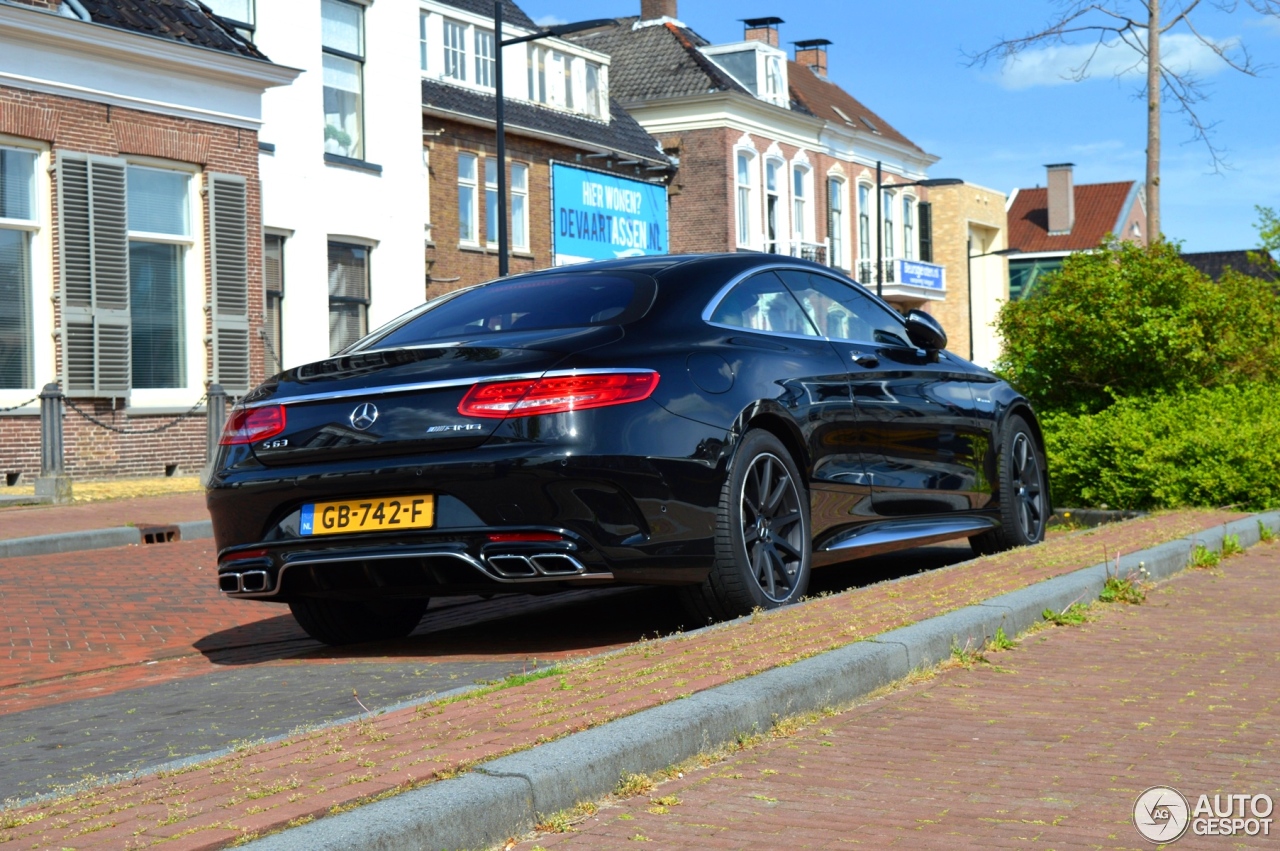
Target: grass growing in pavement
[(119, 488)]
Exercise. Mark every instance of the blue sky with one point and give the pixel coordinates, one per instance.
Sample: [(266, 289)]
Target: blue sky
[(998, 127)]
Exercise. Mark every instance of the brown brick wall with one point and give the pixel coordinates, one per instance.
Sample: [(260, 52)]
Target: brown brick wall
[(955, 209), (71, 124)]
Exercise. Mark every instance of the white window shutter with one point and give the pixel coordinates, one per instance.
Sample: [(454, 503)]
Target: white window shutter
[(228, 223), (94, 257)]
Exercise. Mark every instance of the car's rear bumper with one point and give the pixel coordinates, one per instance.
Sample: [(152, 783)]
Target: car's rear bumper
[(642, 517)]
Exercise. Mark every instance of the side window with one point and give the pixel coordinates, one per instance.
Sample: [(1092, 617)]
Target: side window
[(762, 303), (841, 312)]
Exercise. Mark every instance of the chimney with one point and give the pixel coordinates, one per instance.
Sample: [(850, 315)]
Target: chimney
[(763, 29), (812, 53), (1062, 198), (652, 10)]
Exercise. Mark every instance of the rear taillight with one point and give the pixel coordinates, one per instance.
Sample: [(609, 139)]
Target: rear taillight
[(557, 394), (524, 538), (253, 424)]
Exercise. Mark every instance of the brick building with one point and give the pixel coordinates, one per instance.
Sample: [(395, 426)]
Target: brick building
[(129, 209), (1046, 224), (773, 156)]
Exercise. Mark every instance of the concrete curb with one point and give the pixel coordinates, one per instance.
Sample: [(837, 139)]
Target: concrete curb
[(94, 539), (504, 797)]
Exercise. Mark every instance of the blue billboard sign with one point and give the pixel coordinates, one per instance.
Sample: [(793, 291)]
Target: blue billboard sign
[(601, 216), (915, 273)]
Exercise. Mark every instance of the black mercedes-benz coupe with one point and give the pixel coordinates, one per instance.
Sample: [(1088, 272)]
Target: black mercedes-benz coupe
[(722, 423)]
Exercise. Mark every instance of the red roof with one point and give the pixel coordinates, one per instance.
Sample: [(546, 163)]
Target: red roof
[(1098, 209), (828, 101)]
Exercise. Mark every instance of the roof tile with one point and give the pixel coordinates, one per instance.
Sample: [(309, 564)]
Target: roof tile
[(186, 21)]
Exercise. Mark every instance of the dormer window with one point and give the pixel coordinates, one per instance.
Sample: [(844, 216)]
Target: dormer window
[(761, 69), (459, 48)]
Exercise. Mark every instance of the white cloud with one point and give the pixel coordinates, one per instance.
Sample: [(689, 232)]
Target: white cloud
[(549, 21), (1058, 64)]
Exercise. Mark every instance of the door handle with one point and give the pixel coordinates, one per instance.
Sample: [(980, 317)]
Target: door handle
[(866, 359)]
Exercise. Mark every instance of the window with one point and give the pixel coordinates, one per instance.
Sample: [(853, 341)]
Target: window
[(593, 89), (908, 227), (18, 220), (566, 82), (273, 284), (490, 201), (887, 209), (771, 201), (348, 294), (520, 206), (864, 233), (799, 201), (342, 34), (773, 89), (842, 312), (423, 52), (762, 303), (745, 161), (835, 222), (925, 210), (455, 50), (484, 58), (467, 213), (159, 237)]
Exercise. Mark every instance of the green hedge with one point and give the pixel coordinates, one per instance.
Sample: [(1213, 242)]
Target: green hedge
[(1204, 448)]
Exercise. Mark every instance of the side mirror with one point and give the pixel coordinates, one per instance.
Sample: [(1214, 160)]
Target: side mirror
[(925, 331)]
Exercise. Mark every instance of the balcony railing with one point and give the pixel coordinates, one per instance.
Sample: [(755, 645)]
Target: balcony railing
[(867, 272), (816, 251)]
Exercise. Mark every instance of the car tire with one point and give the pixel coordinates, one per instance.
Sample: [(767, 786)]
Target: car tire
[(338, 622), (1023, 491), (763, 543)]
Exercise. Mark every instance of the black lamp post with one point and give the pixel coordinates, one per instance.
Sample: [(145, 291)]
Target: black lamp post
[(500, 118), (968, 277), (880, 187)]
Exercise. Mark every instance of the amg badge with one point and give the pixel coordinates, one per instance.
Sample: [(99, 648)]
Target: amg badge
[(452, 428)]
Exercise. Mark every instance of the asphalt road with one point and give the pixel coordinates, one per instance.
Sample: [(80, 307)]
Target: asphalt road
[(102, 705)]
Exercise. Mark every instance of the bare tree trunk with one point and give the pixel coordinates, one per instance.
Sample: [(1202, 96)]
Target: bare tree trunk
[(1153, 121)]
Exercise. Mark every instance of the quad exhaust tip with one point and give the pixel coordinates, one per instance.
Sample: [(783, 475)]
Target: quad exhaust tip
[(512, 566), (249, 582)]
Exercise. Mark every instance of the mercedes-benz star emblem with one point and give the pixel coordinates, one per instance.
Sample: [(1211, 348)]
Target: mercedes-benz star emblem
[(364, 416)]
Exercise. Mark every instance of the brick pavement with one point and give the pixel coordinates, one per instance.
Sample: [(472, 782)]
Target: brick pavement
[(1048, 746), (265, 787), (27, 521)]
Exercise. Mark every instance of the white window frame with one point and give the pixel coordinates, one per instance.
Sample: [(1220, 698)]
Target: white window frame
[(887, 204), (455, 56), (484, 63), (838, 243), (43, 355), (196, 290), (746, 198), (359, 60), (490, 210), (908, 226), (802, 218), (474, 184), (519, 190), (782, 180)]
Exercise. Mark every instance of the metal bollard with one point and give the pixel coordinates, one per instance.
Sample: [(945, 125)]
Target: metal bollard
[(53, 483), (215, 421)]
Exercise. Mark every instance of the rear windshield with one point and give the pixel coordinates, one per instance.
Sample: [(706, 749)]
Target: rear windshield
[(527, 303)]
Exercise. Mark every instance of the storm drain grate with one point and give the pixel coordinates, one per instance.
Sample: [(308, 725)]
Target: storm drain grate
[(159, 534)]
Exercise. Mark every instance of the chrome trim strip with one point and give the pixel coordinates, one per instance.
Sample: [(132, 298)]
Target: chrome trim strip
[(442, 384), (899, 531)]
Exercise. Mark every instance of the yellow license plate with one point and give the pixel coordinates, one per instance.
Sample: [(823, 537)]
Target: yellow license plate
[(368, 515)]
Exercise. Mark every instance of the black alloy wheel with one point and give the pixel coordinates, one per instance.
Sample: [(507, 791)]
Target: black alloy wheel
[(338, 622), (1023, 492), (763, 540)]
